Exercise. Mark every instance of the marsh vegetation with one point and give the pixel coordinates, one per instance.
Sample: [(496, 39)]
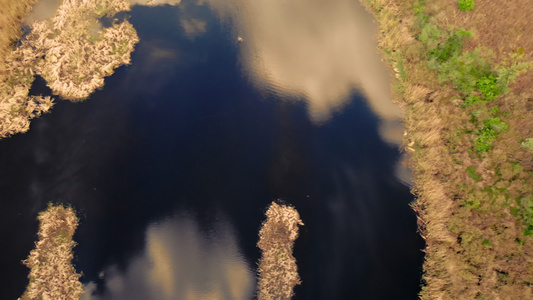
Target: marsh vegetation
[(468, 96), (277, 270), (71, 51), (52, 276)]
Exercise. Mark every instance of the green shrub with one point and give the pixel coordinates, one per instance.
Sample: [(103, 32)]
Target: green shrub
[(463, 71), (489, 87), (430, 36), (452, 47), (472, 99), (420, 13), (507, 74), (491, 128), (528, 143), (466, 5)]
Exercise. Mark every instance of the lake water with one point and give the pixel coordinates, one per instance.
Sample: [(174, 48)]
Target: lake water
[(227, 106)]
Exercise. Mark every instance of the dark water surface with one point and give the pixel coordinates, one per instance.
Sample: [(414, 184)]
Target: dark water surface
[(172, 165)]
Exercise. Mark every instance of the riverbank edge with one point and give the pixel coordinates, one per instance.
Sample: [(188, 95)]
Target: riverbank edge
[(473, 251)]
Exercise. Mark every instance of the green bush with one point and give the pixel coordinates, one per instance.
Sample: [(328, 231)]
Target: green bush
[(507, 74), (463, 70), (472, 99), (528, 143), (430, 36), (452, 47), (466, 5), (488, 86), (491, 128)]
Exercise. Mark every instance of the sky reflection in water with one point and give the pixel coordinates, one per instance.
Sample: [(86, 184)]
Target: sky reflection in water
[(182, 262), (323, 51), (317, 51)]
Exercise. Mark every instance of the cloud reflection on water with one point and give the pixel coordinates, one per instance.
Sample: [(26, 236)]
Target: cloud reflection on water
[(316, 49), (323, 51), (182, 262)]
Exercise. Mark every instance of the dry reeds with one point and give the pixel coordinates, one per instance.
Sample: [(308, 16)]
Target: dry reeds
[(52, 275), (278, 272), (71, 52), (476, 247), (77, 55)]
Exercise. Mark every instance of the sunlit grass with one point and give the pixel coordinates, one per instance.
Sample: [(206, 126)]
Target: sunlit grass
[(52, 275), (278, 272), (466, 90), (70, 51)]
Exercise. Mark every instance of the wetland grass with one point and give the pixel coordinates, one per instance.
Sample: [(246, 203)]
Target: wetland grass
[(52, 275), (277, 270), (71, 51), (464, 81)]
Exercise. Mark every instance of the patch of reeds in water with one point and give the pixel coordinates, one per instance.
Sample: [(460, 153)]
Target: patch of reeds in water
[(71, 52), (278, 272), (52, 275)]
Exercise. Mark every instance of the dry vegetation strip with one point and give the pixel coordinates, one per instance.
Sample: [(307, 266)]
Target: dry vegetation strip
[(278, 272), (464, 80), (52, 275), (71, 51)]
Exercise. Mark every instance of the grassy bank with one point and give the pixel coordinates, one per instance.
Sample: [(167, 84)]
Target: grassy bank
[(52, 275), (71, 51), (277, 270), (463, 77)]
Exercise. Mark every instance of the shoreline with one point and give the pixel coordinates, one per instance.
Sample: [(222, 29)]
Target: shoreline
[(471, 156), (468, 142)]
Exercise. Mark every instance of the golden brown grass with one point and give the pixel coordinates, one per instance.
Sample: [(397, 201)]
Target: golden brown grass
[(475, 246), (15, 107), (70, 51), (52, 275), (501, 26), (77, 53), (11, 14), (277, 268)]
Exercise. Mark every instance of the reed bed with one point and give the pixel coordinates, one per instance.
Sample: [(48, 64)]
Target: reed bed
[(277, 270), (52, 275), (472, 167), (71, 51)]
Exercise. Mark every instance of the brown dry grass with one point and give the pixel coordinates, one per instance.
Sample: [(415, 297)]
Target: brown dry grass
[(475, 247), (11, 14), (277, 268), (77, 54), (15, 107), (52, 275), (501, 26), (70, 51)]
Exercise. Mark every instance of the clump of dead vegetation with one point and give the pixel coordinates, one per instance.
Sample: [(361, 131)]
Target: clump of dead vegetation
[(71, 51), (278, 272), (14, 109), (464, 81), (73, 54), (52, 275)]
